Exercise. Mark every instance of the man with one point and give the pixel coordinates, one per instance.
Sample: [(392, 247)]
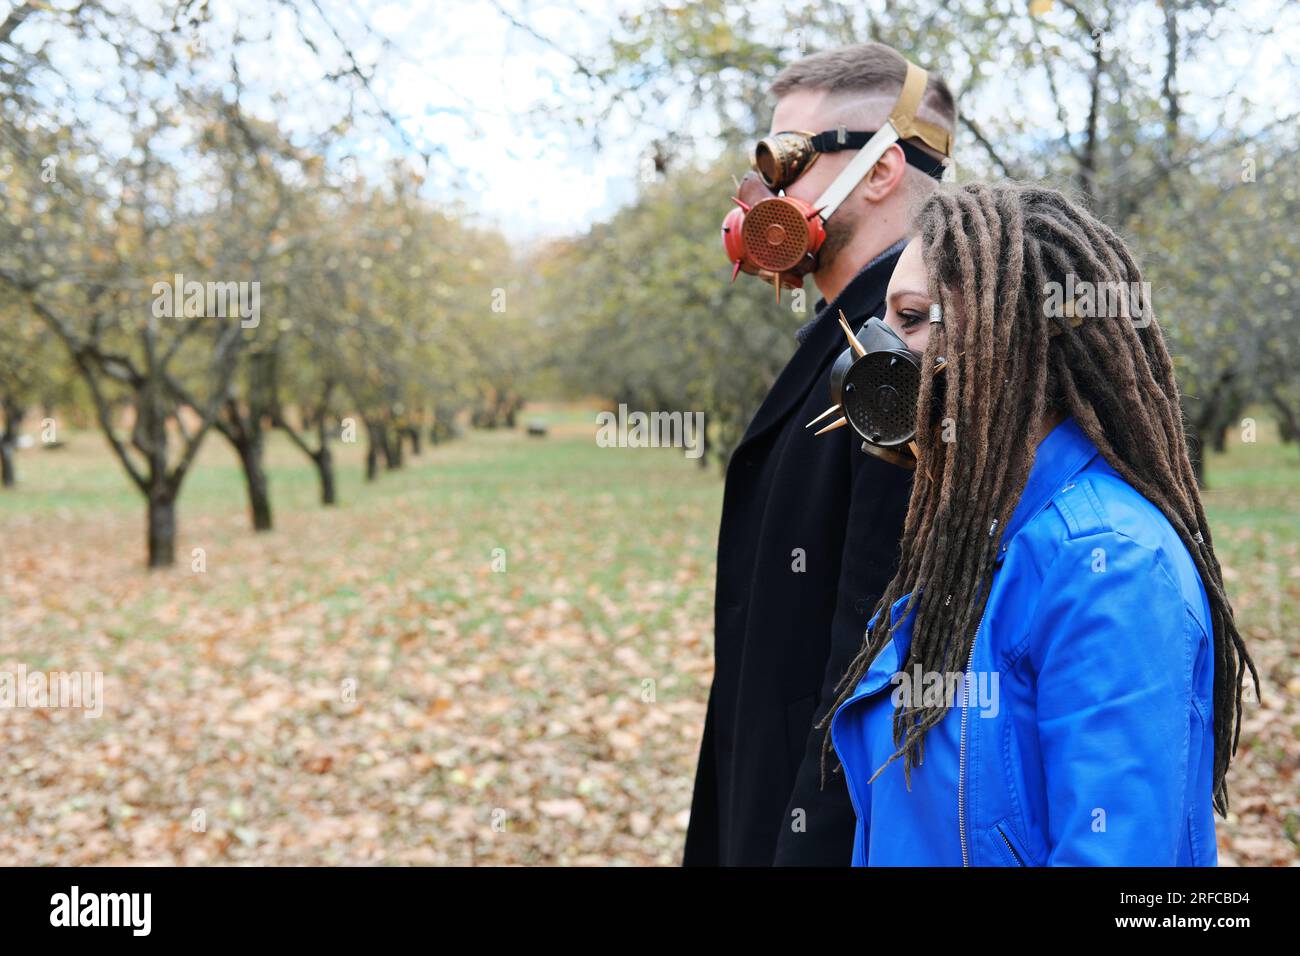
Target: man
[(810, 525)]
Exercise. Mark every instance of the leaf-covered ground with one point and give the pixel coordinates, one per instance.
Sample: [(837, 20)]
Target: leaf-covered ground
[(363, 686)]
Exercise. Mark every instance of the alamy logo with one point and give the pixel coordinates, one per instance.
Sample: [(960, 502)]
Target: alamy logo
[(922, 688), (1098, 300), (210, 300), (651, 430), (103, 909), (36, 690)]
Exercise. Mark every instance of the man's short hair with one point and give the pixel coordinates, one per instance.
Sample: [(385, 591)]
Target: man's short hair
[(866, 68)]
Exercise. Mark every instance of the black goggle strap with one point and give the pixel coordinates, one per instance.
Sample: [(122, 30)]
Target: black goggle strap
[(904, 125), (834, 140)]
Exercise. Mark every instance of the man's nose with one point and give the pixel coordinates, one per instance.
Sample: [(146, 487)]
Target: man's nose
[(752, 189)]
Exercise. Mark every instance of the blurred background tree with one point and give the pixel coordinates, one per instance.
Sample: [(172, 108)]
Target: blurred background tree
[(1132, 107), (373, 299), (391, 311)]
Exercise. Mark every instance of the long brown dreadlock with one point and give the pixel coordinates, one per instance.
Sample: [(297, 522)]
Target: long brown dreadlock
[(990, 252)]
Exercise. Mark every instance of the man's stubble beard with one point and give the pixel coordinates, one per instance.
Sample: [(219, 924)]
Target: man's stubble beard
[(839, 233)]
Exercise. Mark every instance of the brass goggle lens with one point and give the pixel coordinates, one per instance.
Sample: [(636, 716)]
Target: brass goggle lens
[(782, 158)]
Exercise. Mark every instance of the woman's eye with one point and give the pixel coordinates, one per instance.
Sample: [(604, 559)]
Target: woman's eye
[(910, 319)]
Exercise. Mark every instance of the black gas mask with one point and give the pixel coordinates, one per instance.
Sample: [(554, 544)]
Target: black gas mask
[(875, 387)]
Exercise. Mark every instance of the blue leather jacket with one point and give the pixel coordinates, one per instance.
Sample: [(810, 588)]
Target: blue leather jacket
[(1086, 734)]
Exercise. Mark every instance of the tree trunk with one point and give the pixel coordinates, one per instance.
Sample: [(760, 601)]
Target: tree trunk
[(8, 475), (392, 448), (442, 428), (259, 496), (162, 528), (149, 435), (320, 456), (325, 468), (1208, 419), (248, 440), (1288, 423), (513, 405), (14, 415), (324, 458)]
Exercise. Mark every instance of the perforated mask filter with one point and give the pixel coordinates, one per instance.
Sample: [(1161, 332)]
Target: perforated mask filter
[(776, 235), (875, 388), (878, 389), (879, 397)]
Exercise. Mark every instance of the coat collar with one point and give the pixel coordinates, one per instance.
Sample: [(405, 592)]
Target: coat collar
[(861, 296)]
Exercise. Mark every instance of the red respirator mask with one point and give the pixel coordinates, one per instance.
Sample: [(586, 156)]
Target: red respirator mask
[(777, 237)]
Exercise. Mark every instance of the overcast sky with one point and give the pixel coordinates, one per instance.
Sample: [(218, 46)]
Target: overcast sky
[(461, 75), (468, 56)]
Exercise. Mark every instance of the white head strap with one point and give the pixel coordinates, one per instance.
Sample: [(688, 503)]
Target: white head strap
[(902, 123)]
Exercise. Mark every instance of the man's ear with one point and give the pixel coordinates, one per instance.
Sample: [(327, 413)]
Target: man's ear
[(886, 175)]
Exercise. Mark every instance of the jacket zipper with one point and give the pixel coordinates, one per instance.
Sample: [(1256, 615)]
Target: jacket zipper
[(961, 768), (1019, 861)]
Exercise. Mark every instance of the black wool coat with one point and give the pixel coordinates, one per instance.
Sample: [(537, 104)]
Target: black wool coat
[(809, 540)]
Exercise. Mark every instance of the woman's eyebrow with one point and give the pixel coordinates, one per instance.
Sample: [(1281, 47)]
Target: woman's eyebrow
[(899, 293)]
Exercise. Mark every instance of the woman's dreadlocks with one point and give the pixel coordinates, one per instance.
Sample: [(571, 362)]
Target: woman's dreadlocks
[(990, 253)]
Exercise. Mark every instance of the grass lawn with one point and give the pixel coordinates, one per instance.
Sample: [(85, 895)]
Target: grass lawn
[(365, 684)]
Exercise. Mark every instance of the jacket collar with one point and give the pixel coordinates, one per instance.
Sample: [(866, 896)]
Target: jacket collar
[(1061, 455)]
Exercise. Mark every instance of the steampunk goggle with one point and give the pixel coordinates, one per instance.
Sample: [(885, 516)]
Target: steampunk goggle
[(783, 157)]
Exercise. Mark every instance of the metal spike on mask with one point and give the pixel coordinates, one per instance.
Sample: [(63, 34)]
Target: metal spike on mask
[(826, 414), (838, 423), (858, 350)]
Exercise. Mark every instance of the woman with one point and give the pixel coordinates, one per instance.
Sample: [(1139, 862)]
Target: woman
[(1060, 673)]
